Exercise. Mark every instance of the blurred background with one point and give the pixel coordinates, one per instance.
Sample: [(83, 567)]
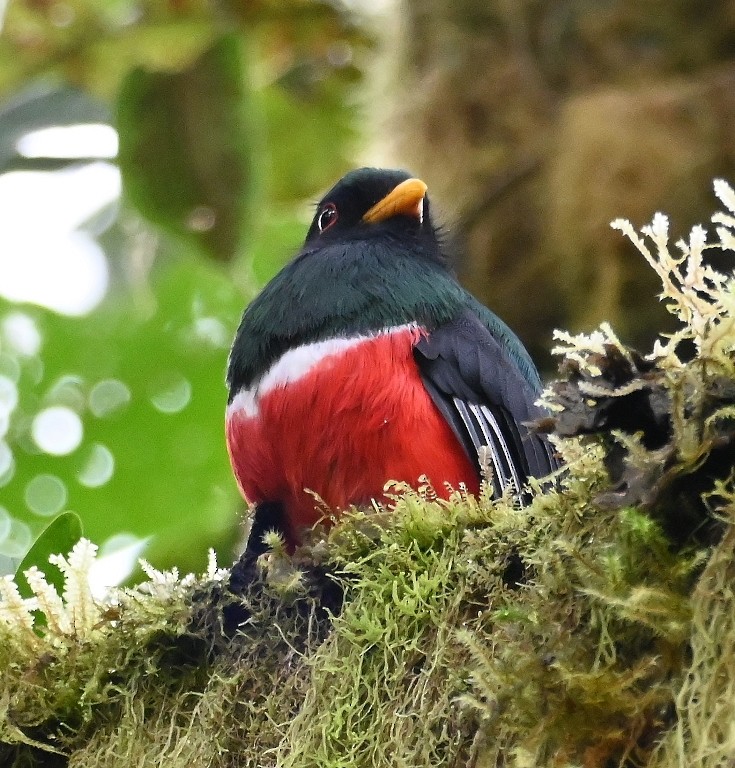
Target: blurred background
[(159, 160)]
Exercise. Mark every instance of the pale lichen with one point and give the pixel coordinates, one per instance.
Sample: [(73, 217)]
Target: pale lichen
[(694, 291)]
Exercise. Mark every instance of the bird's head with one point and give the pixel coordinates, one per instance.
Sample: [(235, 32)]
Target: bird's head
[(372, 201), (372, 259)]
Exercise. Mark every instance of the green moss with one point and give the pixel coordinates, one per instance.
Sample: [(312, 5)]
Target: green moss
[(436, 659)]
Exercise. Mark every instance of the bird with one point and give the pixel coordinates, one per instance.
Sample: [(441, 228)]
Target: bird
[(365, 361)]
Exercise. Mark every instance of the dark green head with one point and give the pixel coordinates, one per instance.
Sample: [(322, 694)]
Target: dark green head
[(372, 259)]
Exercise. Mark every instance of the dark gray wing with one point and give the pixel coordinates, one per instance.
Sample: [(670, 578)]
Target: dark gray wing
[(480, 389)]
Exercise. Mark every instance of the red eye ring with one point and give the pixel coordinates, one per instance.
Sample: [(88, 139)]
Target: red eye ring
[(327, 217)]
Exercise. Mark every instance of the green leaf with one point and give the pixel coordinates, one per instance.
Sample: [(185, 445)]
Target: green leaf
[(59, 536), (185, 148)]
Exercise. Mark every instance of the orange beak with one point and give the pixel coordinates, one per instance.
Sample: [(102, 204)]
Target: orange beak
[(406, 199)]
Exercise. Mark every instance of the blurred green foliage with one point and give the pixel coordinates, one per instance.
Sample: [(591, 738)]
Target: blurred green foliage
[(231, 116), (185, 148)]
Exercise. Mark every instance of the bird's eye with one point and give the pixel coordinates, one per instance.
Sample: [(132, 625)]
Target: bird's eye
[(327, 216)]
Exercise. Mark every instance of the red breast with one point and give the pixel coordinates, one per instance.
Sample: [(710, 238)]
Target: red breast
[(340, 418)]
